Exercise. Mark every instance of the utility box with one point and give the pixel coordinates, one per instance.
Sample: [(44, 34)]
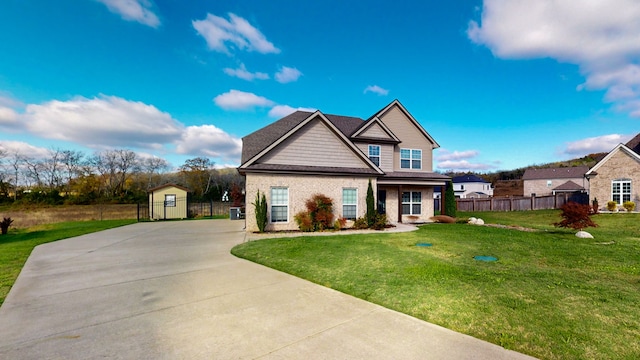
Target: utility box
[(235, 213)]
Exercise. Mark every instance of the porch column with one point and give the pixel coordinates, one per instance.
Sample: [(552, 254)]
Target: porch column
[(400, 203)]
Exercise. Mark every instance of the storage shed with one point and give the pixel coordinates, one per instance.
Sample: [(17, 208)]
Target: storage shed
[(168, 201)]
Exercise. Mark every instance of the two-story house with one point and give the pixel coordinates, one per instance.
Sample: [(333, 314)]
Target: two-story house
[(308, 153)]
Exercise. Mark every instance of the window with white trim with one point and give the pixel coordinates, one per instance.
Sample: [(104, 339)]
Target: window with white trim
[(374, 154), (279, 204), (170, 200), (411, 159), (349, 203), (621, 190), (411, 203)]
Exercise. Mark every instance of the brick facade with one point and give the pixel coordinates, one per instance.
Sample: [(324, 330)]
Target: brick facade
[(620, 165)]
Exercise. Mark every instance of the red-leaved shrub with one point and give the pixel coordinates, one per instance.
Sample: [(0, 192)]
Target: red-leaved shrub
[(575, 216)]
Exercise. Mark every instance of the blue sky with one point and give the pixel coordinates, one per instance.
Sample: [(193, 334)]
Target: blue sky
[(499, 84)]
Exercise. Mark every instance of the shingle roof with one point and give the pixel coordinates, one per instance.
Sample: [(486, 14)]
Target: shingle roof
[(555, 173), (569, 186), (467, 179), (634, 144), (258, 140)]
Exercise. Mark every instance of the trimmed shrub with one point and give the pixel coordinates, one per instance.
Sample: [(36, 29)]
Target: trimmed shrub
[(260, 206), (340, 223), (360, 224), (629, 205), (303, 219), (612, 205), (371, 206), (450, 206), (319, 214), (575, 216)]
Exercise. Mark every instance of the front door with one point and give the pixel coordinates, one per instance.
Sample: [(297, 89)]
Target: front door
[(382, 201)]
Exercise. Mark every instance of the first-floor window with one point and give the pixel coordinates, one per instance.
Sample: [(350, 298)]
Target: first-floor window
[(170, 200), (279, 204), (621, 190), (349, 203), (411, 202)]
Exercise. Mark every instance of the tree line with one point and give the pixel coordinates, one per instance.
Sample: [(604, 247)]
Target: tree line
[(115, 176)]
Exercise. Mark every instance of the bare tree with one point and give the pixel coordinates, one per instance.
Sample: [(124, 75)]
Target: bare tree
[(51, 167), (153, 165), (72, 162), (114, 167), (15, 162)]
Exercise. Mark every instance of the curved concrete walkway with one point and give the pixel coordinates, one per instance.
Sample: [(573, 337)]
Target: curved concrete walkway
[(172, 290)]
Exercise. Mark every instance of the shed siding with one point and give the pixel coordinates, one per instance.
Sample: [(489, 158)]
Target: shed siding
[(315, 144), (157, 210)]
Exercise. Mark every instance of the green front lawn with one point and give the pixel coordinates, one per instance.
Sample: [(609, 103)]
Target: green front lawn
[(550, 294), (16, 246)]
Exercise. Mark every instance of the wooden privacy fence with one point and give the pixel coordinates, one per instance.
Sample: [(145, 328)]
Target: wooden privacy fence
[(521, 203)]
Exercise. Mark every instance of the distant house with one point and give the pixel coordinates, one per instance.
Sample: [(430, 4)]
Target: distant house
[(307, 153), (168, 201), (551, 181), (617, 176), (468, 187)]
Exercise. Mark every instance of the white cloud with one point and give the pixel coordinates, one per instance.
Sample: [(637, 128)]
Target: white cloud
[(104, 121), (446, 155), (8, 117), (279, 111), (287, 75), (23, 149), (133, 10), (376, 89), (221, 34), (595, 144), (238, 100), (600, 36), (244, 74), (208, 140)]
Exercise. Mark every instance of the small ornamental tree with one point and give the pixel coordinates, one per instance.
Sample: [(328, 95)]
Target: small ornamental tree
[(450, 201), (260, 206), (575, 216), (371, 207)]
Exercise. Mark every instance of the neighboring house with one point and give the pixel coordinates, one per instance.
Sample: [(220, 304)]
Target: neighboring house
[(468, 187), (308, 153), (551, 181), (168, 201), (617, 176)]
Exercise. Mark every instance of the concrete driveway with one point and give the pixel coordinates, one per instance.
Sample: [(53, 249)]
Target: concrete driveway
[(172, 290)]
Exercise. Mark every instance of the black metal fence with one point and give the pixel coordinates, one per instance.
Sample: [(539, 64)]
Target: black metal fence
[(160, 210)]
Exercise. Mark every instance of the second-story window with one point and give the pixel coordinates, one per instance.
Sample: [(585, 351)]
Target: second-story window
[(410, 159), (374, 154)]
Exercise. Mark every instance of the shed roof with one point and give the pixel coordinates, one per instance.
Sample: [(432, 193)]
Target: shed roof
[(569, 186), (168, 185)]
